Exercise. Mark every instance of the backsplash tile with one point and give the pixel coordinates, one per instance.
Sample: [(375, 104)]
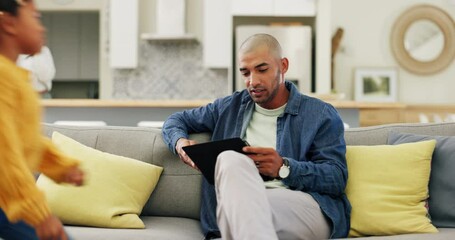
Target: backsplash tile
[(170, 70)]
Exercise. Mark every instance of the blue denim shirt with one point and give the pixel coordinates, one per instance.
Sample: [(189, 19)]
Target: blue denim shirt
[(310, 134)]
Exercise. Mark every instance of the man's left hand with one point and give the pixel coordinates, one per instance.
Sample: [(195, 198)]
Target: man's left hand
[(267, 160)]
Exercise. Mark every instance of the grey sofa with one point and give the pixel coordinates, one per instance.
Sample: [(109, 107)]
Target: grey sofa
[(172, 211)]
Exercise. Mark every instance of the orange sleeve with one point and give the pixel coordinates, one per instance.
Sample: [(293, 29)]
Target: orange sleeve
[(55, 164), (20, 199)]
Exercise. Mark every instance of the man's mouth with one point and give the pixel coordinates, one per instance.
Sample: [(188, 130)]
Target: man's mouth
[(257, 91)]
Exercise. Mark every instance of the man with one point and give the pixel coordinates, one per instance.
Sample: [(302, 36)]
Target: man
[(24, 213), (295, 139)]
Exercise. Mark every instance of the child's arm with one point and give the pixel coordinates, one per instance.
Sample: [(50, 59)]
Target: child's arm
[(20, 199), (59, 167)]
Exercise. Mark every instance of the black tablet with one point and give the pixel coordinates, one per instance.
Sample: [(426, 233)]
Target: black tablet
[(204, 155)]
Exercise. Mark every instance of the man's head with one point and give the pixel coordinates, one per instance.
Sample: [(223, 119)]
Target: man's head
[(21, 30), (262, 68)]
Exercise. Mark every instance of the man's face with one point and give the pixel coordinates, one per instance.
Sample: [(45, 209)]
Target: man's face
[(262, 74), (30, 31)]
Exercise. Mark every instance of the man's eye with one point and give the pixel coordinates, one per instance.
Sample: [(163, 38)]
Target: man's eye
[(263, 70), (245, 74)]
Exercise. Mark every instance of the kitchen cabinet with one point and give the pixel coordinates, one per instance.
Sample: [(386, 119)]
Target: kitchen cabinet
[(219, 30), (73, 38), (64, 44), (70, 5), (252, 7), (295, 8), (218, 23), (288, 8), (93, 62), (89, 48), (124, 33), (372, 117)]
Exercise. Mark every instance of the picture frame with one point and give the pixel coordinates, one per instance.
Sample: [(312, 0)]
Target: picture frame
[(376, 84)]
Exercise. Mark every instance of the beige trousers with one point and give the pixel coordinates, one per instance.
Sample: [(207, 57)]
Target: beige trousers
[(247, 210)]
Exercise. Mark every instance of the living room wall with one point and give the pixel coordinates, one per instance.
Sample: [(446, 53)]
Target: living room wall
[(366, 43)]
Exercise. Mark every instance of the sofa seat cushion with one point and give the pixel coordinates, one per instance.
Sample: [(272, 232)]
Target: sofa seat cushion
[(155, 228), (443, 234)]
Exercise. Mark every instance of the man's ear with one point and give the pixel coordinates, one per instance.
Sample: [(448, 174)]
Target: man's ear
[(8, 23), (284, 65)]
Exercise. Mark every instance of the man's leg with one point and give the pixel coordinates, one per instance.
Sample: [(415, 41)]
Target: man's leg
[(16, 231), (243, 210), (296, 215), (208, 211)]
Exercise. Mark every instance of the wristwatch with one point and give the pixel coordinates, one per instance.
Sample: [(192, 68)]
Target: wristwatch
[(284, 169)]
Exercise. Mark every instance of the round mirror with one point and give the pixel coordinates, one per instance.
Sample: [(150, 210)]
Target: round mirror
[(423, 39)]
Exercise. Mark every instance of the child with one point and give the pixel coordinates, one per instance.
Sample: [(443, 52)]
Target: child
[(24, 213)]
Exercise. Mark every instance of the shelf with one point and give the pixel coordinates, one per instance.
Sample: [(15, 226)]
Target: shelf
[(161, 37)]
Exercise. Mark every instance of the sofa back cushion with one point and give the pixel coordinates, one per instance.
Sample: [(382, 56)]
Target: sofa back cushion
[(177, 193), (178, 190), (442, 180), (378, 135)]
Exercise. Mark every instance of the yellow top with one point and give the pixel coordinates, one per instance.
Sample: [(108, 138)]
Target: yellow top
[(23, 150)]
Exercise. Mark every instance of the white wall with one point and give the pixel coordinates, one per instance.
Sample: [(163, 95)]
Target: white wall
[(366, 43)]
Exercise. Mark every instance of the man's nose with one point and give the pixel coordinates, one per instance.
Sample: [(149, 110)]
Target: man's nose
[(254, 80)]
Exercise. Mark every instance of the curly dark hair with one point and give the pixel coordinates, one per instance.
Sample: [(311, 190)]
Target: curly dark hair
[(11, 6)]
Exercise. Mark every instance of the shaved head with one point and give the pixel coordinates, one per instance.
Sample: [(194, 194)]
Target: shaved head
[(261, 40)]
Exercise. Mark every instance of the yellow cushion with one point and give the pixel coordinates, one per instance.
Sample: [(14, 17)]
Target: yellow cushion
[(388, 187), (115, 190)]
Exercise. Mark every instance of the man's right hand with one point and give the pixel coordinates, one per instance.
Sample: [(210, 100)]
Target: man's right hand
[(182, 142), (51, 228)]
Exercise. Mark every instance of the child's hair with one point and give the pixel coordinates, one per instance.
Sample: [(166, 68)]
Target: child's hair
[(11, 6)]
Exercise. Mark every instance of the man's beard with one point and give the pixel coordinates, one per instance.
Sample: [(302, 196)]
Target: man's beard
[(272, 94)]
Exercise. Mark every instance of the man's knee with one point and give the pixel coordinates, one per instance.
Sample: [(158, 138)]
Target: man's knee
[(229, 159)]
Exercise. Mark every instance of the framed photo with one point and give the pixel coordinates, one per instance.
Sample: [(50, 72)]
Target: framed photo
[(376, 84)]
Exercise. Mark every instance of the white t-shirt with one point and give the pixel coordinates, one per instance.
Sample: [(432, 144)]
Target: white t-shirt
[(42, 68), (261, 132)]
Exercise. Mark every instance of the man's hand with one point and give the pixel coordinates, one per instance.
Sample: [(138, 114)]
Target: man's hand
[(267, 160), (182, 142), (51, 228), (74, 176)]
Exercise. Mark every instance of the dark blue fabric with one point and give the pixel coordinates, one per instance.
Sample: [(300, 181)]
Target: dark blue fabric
[(208, 214), (15, 231), (310, 134)]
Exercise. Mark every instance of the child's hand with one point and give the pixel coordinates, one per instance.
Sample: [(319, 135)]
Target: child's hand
[(74, 176), (51, 228)]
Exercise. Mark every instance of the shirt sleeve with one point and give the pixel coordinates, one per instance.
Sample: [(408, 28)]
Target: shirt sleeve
[(20, 198), (326, 170), (181, 124), (55, 164), (41, 66)]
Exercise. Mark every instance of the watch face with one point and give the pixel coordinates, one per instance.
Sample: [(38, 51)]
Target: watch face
[(284, 172)]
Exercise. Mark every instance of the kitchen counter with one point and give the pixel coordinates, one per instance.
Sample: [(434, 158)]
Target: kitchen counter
[(123, 103), (131, 112), (192, 103)]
